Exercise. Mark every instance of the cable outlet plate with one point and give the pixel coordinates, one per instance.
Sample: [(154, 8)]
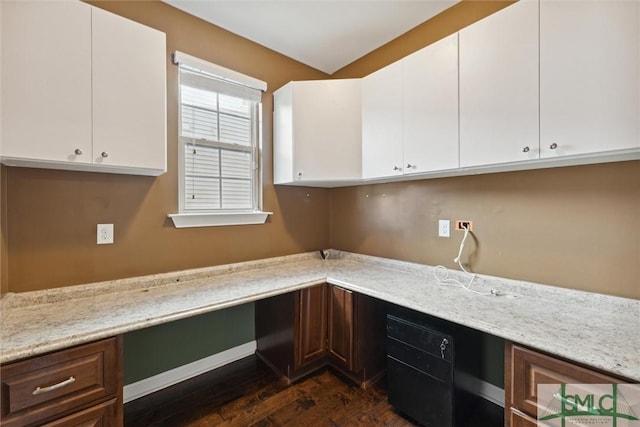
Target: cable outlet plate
[(462, 224), (105, 234)]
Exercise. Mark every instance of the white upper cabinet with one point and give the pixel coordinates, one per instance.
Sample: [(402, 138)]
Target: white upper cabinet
[(46, 81), (317, 132), (499, 87), (538, 84), (589, 76), (83, 89), (430, 113), (410, 114), (382, 103), (129, 95)]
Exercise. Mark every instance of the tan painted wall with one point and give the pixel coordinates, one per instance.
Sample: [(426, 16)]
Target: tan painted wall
[(575, 227), (4, 264), (52, 215), (4, 283), (448, 22)]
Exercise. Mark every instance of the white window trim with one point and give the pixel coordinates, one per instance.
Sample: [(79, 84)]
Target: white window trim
[(221, 218), (217, 70), (187, 220)]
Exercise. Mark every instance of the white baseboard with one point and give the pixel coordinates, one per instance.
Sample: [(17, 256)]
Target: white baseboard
[(157, 382), (165, 379), (480, 388)]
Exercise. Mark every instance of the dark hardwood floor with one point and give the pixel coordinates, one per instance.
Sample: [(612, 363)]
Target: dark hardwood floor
[(247, 393)]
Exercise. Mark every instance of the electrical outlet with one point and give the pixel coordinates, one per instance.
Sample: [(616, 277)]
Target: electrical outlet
[(461, 225), (443, 228), (105, 234)]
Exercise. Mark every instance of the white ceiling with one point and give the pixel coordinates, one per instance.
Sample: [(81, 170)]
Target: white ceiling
[(324, 34)]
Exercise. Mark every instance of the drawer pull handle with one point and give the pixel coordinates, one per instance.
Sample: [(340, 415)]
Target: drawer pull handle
[(40, 390)]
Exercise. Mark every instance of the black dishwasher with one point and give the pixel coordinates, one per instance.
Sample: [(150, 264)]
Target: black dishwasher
[(420, 369)]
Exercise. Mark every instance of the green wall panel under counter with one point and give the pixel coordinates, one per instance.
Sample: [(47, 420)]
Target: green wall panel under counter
[(480, 355), (157, 349)]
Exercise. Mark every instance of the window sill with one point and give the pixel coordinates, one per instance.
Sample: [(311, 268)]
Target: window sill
[(187, 220)]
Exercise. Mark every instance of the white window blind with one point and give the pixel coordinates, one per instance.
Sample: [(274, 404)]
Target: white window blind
[(219, 131)]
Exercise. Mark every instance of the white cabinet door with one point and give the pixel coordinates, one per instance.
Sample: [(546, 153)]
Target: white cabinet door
[(46, 81), (499, 87), (129, 93), (382, 154), (431, 107), (317, 131), (589, 76), (283, 135)]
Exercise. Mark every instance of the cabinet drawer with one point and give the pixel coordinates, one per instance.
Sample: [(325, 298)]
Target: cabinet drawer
[(424, 398), (518, 419), (102, 415), (419, 360), (44, 386), (530, 368), (420, 337)]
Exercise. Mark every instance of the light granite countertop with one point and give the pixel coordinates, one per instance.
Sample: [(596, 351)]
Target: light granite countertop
[(596, 330)]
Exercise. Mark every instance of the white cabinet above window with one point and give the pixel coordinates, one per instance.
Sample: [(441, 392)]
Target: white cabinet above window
[(83, 89), (317, 132)]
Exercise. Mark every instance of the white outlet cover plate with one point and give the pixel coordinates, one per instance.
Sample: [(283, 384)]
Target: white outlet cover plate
[(443, 228), (105, 234)]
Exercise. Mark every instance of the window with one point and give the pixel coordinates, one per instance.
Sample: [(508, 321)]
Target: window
[(219, 138)]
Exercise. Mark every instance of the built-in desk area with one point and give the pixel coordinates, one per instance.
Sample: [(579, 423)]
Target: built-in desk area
[(592, 330)]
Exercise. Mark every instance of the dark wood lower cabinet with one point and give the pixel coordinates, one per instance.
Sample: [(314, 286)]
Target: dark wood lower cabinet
[(518, 419), (526, 368), (102, 415), (341, 327), (291, 331), (360, 322), (311, 325), (275, 326), (302, 331), (77, 386)]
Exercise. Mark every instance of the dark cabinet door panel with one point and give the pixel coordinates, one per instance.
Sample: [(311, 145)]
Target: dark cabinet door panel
[(341, 326), (312, 325)]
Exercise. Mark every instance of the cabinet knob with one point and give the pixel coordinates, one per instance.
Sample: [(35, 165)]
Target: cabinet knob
[(78, 152), (104, 154), (396, 168), (553, 146), (299, 173), (409, 166), (526, 149)]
